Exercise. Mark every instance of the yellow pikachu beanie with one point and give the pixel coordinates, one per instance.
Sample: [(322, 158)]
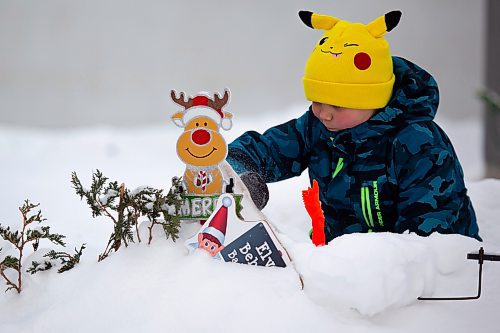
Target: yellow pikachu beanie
[(351, 65)]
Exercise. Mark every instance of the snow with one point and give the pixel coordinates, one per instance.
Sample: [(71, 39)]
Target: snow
[(104, 199), (138, 190), (358, 283), (388, 271)]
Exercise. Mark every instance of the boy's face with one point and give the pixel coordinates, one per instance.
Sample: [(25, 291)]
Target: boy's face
[(336, 118)]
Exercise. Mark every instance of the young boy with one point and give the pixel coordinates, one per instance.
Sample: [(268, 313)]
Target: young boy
[(369, 139)]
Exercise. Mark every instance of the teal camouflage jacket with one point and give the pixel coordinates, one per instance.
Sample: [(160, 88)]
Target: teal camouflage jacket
[(397, 171)]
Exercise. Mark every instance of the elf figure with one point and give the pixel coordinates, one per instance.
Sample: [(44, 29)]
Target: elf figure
[(211, 239), (201, 146)]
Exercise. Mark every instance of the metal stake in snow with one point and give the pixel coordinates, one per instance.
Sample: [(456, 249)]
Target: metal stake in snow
[(480, 257)]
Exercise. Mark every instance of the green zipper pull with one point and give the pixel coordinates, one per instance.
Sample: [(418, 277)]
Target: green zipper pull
[(340, 165)]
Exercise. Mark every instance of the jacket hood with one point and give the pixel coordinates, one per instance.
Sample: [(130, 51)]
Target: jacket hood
[(415, 98), (415, 95)]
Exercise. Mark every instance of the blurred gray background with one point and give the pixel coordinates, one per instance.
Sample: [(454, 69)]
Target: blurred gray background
[(73, 63)]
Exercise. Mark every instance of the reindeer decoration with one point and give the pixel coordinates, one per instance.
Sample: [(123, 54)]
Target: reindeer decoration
[(201, 146)]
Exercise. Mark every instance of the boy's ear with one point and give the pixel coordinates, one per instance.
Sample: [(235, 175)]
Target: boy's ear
[(318, 21), (383, 24)]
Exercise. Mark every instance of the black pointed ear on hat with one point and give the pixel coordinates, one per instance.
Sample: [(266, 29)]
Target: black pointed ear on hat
[(384, 24), (318, 21)]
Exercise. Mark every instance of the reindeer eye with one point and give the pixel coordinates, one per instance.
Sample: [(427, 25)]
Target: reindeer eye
[(197, 124), (205, 124), (323, 40)]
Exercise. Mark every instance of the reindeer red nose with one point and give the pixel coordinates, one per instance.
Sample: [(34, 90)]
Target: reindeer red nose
[(200, 137)]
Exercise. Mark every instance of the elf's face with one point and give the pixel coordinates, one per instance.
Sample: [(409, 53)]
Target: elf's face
[(337, 118), (209, 246)]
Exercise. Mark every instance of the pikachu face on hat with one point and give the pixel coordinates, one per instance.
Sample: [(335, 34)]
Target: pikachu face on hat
[(351, 65)]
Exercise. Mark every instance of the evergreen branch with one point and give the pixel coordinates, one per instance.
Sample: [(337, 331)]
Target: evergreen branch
[(170, 208), (23, 237), (54, 238), (105, 197), (133, 215), (110, 194), (92, 195), (10, 284), (166, 206), (128, 234), (77, 185), (33, 235), (98, 181), (36, 235), (82, 193), (67, 260), (108, 249), (123, 229), (39, 267), (9, 236), (26, 208), (100, 198), (104, 210), (10, 262), (171, 227), (491, 98)]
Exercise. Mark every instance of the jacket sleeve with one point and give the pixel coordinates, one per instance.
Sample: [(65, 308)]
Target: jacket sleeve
[(279, 153), (432, 193)]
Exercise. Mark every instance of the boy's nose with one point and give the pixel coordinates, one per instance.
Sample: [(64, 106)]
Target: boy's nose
[(326, 116)]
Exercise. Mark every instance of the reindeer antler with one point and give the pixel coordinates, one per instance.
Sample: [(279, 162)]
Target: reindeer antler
[(181, 100), (218, 102)]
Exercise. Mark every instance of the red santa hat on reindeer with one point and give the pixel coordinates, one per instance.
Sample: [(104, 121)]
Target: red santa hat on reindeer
[(202, 105)]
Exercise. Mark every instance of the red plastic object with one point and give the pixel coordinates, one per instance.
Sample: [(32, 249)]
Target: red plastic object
[(313, 207)]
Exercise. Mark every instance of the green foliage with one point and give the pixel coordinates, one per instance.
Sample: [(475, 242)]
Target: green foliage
[(67, 260), (39, 267), (10, 262), (99, 197), (172, 204), (10, 236), (44, 233), (165, 206), (28, 235), (125, 207), (491, 98)]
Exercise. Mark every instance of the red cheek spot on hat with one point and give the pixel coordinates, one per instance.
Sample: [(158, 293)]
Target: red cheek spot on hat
[(362, 61)]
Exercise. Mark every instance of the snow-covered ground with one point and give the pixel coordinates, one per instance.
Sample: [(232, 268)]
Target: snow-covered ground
[(358, 283)]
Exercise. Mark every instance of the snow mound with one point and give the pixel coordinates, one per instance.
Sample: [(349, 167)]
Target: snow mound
[(374, 272)]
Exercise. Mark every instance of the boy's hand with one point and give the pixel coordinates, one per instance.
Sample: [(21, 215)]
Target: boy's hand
[(313, 207), (257, 188)]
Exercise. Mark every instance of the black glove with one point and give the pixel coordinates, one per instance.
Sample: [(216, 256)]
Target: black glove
[(257, 188)]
